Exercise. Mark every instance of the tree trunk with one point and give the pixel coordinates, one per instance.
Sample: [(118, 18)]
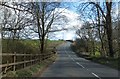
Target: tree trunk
[(118, 30), (119, 41), (42, 44), (109, 28), (43, 28)]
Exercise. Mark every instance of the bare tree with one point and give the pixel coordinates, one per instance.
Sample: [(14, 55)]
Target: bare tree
[(45, 16), (107, 22), (118, 28), (16, 18)]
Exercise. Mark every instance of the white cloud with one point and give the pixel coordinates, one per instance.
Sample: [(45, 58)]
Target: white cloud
[(71, 16), (73, 22)]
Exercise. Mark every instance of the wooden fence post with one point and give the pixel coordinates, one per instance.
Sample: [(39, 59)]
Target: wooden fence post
[(6, 67), (14, 60), (24, 60)]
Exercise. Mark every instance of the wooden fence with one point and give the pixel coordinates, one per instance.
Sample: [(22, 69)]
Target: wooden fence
[(33, 59)]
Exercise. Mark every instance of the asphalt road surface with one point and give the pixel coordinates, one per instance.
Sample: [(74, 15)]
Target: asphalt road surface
[(69, 65)]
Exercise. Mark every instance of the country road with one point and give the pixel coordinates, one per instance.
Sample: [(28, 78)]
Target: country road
[(68, 64)]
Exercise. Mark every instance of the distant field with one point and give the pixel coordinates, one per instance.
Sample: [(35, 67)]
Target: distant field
[(26, 45)]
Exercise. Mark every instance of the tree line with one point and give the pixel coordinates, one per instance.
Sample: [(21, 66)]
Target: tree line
[(100, 29), (21, 20)]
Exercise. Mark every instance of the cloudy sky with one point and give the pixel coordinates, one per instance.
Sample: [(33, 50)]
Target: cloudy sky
[(73, 16), (71, 25), (73, 22)]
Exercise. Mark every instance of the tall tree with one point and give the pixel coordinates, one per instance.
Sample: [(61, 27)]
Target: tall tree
[(109, 28), (108, 23), (45, 16)]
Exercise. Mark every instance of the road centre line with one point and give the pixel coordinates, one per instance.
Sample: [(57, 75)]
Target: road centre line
[(80, 65), (96, 75), (72, 59)]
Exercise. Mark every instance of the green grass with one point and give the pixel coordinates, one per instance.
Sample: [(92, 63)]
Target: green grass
[(54, 43), (24, 73), (111, 62)]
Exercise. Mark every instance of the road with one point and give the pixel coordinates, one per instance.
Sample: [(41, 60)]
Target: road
[(68, 64)]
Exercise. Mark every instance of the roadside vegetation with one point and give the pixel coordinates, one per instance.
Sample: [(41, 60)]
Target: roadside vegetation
[(95, 56), (27, 46), (98, 37), (20, 46), (21, 23), (31, 71), (93, 52)]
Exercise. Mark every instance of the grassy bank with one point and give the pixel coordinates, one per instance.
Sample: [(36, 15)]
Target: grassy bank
[(108, 61), (111, 62)]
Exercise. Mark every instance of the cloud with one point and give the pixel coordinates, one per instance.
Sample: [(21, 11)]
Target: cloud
[(71, 16), (72, 24)]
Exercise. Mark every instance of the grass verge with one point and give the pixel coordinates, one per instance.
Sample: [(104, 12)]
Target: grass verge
[(32, 71), (110, 62)]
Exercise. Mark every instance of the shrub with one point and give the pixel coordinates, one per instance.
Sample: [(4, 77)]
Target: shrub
[(11, 74), (24, 73)]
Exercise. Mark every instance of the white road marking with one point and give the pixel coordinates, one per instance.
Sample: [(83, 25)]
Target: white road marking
[(72, 59), (80, 65), (96, 75), (77, 62)]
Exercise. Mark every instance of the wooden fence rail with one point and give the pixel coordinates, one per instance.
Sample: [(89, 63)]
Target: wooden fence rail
[(34, 58)]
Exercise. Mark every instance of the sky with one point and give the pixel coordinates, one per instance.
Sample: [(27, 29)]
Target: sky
[(73, 23), (72, 15)]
